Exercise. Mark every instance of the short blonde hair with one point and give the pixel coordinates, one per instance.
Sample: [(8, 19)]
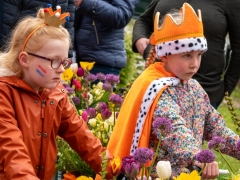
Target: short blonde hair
[(9, 58)]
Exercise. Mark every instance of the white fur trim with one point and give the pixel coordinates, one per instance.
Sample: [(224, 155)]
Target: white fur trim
[(181, 46), (153, 89)]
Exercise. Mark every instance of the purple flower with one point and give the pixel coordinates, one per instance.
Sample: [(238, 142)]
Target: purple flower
[(76, 100), (107, 87), (163, 124), (100, 76), (70, 90), (101, 106), (143, 155), (111, 79), (238, 145), (80, 72), (205, 156), (130, 167), (85, 116), (106, 113), (91, 112), (116, 99), (91, 78), (216, 143)]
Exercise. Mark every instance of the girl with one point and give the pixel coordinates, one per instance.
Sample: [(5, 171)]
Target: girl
[(34, 104), (165, 89)]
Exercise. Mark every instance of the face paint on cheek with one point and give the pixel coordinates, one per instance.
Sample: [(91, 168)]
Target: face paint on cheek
[(41, 71)]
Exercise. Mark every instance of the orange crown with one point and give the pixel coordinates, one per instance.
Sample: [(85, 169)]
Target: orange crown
[(55, 18), (191, 26)]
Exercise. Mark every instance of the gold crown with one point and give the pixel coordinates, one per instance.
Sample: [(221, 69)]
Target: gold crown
[(191, 26), (55, 18)]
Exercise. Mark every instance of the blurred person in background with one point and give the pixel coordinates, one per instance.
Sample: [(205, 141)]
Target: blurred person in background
[(99, 33), (11, 11)]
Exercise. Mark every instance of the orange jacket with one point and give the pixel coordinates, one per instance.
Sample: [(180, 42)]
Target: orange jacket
[(29, 124)]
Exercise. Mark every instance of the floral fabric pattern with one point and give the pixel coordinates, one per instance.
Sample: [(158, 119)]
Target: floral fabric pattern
[(193, 120)]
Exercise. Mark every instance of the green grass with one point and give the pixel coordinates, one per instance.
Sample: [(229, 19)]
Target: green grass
[(223, 109)]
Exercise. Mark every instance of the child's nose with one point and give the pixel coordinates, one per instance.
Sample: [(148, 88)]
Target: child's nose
[(60, 69)]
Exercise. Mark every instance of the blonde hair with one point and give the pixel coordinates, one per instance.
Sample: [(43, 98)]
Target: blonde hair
[(9, 58), (152, 53)]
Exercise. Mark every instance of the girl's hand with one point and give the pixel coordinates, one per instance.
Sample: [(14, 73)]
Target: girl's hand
[(211, 170)]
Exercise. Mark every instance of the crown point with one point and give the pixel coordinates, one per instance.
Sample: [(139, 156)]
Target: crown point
[(67, 18), (58, 7), (49, 5), (45, 10), (57, 14)]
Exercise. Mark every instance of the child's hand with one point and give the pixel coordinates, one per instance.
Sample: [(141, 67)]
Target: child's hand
[(211, 171)]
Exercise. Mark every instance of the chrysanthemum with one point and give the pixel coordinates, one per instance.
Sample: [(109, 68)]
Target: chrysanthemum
[(143, 155), (205, 156), (163, 124), (216, 143)]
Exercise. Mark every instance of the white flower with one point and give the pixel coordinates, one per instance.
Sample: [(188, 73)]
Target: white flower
[(74, 67), (92, 122), (99, 85), (90, 98), (164, 169)]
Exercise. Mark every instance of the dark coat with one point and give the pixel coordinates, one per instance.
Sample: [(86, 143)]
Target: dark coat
[(219, 18), (104, 41), (11, 11)]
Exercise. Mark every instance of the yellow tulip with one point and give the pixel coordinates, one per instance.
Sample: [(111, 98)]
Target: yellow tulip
[(192, 176), (67, 74), (115, 165), (84, 178), (87, 65)]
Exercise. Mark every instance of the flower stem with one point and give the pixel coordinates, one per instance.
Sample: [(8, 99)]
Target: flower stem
[(155, 154), (142, 171), (204, 165), (74, 105), (227, 162)]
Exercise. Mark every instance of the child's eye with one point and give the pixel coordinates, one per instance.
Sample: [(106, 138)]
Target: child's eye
[(187, 55)]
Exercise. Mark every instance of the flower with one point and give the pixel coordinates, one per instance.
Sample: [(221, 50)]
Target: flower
[(91, 112), (76, 100), (100, 76), (130, 167), (85, 116), (87, 65), (101, 106), (115, 166), (74, 67), (106, 113), (238, 145), (116, 99), (77, 84), (192, 176), (163, 124), (216, 143), (80, 72), (205, 156), (84, 178), (164, 169), (67, 74), (143, 155), (107, 87), (91, 78), (111, 79)]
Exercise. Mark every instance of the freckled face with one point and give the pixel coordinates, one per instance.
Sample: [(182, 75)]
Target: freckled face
[(183, 65), (39, 72)]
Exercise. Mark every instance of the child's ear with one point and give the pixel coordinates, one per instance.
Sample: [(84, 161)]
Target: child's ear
[(164, 58), (23, 59)]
